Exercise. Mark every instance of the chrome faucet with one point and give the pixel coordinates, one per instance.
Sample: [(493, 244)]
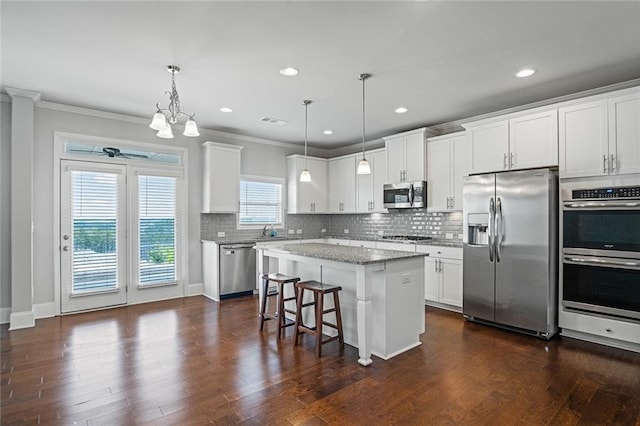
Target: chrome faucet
[(264, 231)]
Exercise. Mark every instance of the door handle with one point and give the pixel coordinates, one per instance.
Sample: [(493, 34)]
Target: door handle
[(492, 225), (65, 248), (499, 230)]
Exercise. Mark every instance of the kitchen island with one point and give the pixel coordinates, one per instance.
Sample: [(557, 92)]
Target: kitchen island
[(382, 297)]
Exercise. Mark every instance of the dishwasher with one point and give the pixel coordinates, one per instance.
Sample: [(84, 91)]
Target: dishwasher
[(237, 275)]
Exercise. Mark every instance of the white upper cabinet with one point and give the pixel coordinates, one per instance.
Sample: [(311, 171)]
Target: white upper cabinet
[(521, 142), (533, 140), (406, 156), (446, 168), (624, 134), (220, 178), (583, 140), (369, 187), (342, 185), (601, 137), (488, 147), (306, 197)]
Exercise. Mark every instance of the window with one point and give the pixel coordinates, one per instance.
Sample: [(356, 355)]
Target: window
[(260, 203)]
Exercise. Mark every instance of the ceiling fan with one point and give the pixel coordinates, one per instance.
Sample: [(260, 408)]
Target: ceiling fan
[(111, 152)]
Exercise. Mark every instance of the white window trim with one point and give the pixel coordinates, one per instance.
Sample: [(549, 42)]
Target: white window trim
[(268, 179)]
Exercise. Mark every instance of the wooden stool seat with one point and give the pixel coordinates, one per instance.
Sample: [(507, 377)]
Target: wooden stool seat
[(279, 314), (319, 290)]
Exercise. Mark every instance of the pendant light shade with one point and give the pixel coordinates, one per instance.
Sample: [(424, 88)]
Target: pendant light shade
[(305, 176), (159, 121), (363, 167), (191, 128), (165, 133)]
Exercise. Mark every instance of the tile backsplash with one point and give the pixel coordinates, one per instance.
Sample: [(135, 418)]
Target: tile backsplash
[(439, 225)]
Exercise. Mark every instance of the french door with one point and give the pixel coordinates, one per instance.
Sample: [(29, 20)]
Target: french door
[(120, 235)]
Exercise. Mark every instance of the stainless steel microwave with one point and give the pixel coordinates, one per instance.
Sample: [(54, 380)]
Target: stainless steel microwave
[(405, 195)]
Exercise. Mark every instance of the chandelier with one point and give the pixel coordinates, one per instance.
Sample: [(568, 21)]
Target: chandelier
[(165, 117)]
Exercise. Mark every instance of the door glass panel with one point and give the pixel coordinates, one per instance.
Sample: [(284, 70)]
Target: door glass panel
[(95, 224), (157, 229)]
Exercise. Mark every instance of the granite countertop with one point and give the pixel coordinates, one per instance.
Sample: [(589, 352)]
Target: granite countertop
[(345, 254), (442, 243)]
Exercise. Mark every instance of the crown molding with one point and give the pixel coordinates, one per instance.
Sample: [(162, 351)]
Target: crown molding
[(213, 134), (23, 93), (5, 98)]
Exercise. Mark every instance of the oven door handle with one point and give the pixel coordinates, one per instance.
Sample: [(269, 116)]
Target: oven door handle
[(598, 261), (632, 205)]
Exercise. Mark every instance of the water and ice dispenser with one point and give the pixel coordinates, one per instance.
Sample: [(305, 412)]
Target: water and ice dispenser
[(478, 231)]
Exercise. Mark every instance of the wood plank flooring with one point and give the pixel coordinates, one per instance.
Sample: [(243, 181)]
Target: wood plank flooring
[(193, 361)]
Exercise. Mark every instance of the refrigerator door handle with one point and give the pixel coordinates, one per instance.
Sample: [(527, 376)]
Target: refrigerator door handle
[(498, 238), (492, 216)]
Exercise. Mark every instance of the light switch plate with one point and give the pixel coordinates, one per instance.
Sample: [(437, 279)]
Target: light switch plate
[(381, 233), (221, 234), (346, 231), (298, 231), (291, 231), (323, 230), (449, 235)]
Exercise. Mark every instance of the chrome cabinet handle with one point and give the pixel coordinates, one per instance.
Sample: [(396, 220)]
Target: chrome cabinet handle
[(504, 160), (604, 164), (511, 161), (614, 163)]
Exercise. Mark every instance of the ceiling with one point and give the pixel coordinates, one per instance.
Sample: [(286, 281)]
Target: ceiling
[(443, 61)]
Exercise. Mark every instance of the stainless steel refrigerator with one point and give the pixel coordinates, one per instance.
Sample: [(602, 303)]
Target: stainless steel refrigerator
[(510, 250)]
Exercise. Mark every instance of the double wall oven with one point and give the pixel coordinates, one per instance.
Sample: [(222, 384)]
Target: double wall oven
[(601, 250)]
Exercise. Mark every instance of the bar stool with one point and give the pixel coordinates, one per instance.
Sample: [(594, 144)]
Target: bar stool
[(279, 314), (319, 291)]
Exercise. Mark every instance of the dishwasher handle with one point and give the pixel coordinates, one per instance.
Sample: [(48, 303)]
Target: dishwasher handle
[(238, 246)]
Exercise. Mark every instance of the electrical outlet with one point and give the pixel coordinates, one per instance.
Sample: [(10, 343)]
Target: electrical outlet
[(221, 234), (346, 231), (460, 236), (298, 231), (381, 233), (406, 278), (291, 231), (323, 230), (449, 235)]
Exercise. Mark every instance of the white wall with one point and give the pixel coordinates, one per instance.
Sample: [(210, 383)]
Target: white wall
[(267, 159), (5, 205)]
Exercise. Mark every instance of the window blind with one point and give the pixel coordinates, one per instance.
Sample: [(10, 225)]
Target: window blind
[(95, 222), (260, 203), (157, 229)]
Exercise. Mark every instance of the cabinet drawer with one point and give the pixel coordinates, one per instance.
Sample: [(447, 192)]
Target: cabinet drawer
[(440, 251)]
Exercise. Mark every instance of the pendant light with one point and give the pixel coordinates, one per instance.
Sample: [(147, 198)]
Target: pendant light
[(305, 176), (363, 167)]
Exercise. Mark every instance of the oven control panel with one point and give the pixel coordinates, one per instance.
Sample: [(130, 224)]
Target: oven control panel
[(620, 192)]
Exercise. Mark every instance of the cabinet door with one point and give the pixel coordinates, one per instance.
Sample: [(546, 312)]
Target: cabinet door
[(624, 134), (583, 140), (348, 184), (451, 290), (335, 196), (365, 186), (431, 280), (533, 140), (318, 169), (304, 190), (438, 174), (459, 163), (395, 159), (415, 157), (379, 174), (488, 147)]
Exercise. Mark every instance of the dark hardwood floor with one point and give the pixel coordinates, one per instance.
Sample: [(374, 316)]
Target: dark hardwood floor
[(192, 361)]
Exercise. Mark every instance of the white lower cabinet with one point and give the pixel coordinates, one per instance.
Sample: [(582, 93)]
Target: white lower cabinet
[(442, 276)]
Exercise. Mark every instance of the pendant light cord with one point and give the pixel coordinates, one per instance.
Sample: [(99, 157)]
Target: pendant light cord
[(363, 77), (306, 106)]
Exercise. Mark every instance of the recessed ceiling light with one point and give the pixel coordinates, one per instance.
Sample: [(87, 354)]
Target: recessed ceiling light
[(328, 132), (400, 110), (226, 109), (525, 72), (289, 71)]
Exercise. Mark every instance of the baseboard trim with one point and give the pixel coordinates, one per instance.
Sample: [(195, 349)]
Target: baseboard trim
[(5, 314), (18, 320), (195, 289), (44, 310)]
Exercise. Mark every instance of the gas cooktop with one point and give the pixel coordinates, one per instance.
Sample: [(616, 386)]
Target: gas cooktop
[(406, 237)]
